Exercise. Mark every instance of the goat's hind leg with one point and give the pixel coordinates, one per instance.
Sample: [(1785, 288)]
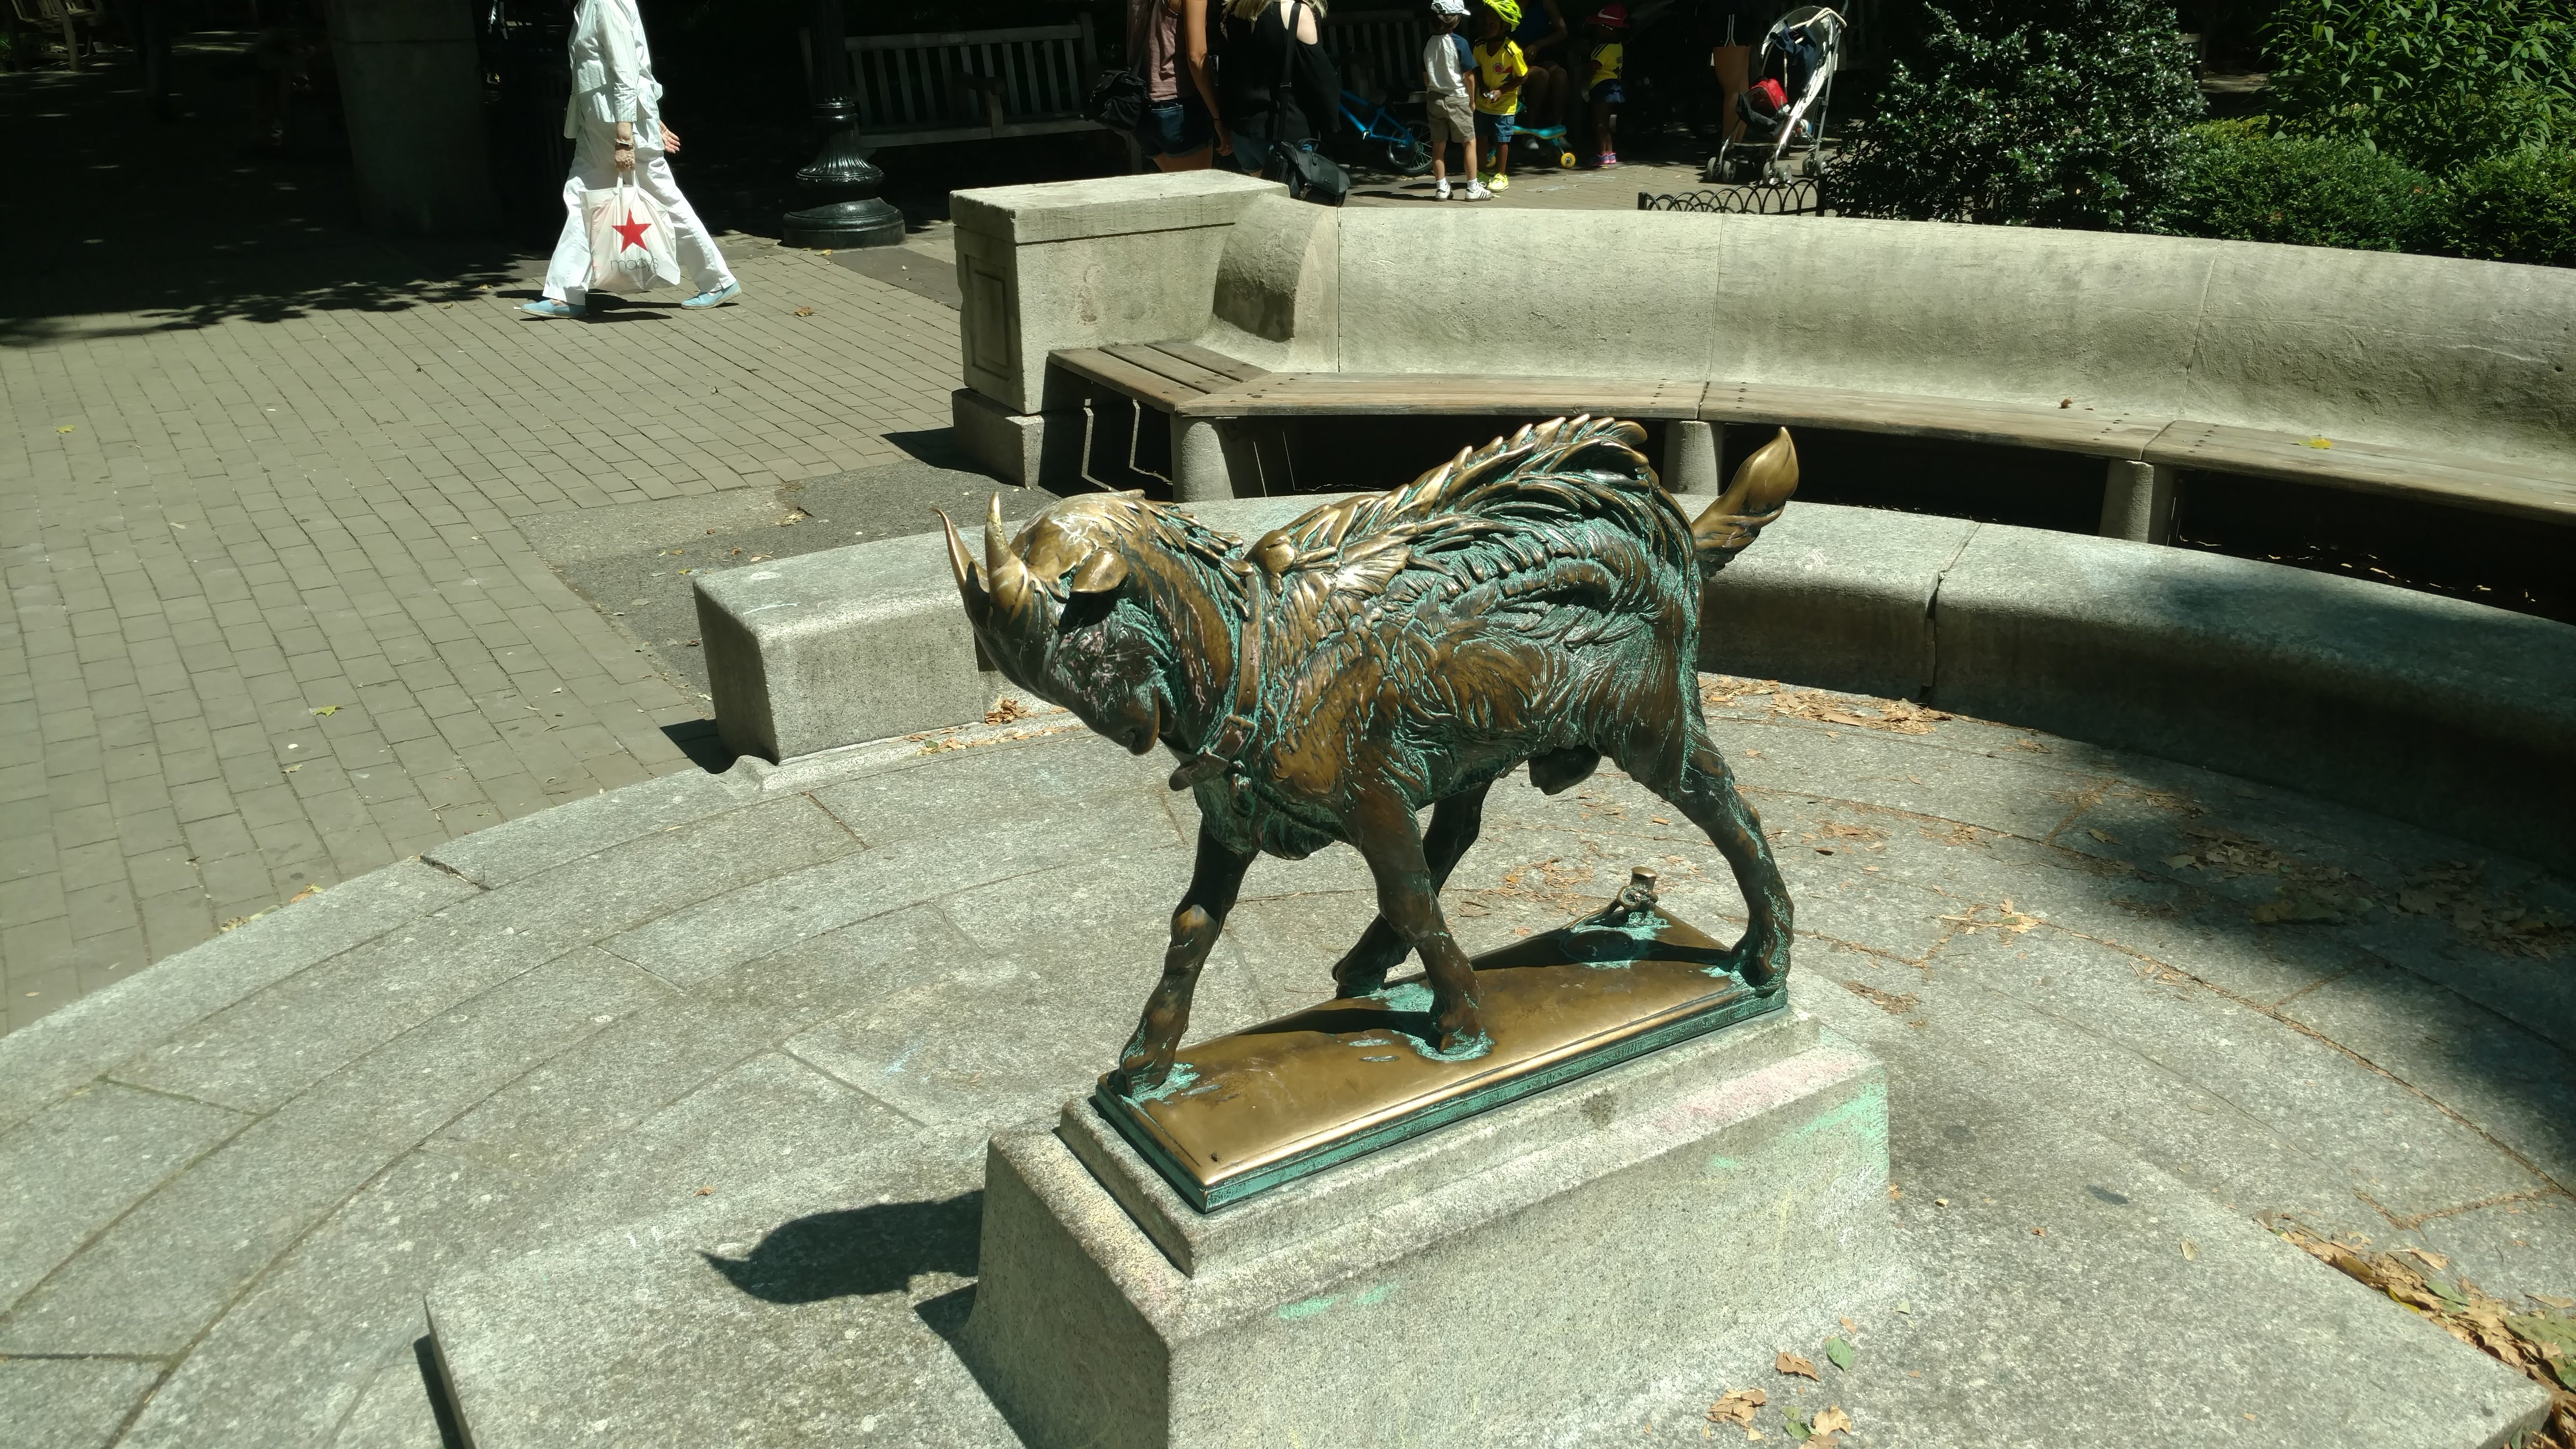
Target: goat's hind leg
[(1455, 824), (1705, 791)]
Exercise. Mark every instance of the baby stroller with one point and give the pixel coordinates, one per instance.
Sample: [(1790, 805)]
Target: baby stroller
[(1784, 113)]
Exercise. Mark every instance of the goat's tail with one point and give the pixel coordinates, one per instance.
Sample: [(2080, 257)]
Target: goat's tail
[(1752, 500)]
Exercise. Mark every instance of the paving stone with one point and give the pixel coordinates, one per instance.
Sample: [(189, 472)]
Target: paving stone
[(2520, 1091), (995, 1035), (192, 569), (170, 1267), (660, 1055), (69, 1171), (691, 943), (263, 1050), (770, 1284), (37, 1068), (76, 1403), (394, 1411), (501, 855), (289, 1361)]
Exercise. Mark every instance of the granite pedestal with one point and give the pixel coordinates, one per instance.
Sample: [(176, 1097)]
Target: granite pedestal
[(1506, 1280)]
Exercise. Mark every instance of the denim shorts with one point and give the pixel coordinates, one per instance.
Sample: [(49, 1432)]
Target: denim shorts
[(1609, 91), (1175, 127), (1495, 130)]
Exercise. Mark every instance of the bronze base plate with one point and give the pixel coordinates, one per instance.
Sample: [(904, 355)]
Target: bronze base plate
[(1272, 1103)]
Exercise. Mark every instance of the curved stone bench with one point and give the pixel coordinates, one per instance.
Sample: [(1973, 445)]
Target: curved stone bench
[(2451, 715), (2420, 377)]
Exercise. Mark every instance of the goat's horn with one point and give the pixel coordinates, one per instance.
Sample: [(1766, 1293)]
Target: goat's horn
[(962, 564), (1006, 578)]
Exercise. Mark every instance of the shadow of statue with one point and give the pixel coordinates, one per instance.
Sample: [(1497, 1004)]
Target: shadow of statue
[(859, 1251)]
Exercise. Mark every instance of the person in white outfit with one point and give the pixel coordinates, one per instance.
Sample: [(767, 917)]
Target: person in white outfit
[(615, 122)]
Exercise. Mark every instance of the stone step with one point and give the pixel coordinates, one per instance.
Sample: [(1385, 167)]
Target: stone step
[(2051, 1301)]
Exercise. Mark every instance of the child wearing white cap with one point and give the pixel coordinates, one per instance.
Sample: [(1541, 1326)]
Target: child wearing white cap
[(1445, 64)]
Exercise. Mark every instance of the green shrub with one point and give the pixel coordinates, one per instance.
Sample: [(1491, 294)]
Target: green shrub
[(2438, 82), (2066, 114), (2516, 207), (2241, 182)]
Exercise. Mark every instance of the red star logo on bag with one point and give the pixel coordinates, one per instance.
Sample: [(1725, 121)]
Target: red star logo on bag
[(632, 230)]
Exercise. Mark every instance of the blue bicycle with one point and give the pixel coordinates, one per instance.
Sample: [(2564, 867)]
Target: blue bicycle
[(1406, 153)]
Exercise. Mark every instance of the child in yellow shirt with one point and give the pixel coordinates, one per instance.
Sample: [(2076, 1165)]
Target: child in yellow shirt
[(1499, 72), (1608, 34)]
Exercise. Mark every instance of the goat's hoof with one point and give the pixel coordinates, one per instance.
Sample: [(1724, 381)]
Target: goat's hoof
[(1137, 1079), (1362, 983)]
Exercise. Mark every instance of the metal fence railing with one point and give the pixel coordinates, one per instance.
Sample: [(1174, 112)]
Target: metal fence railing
[(1796, 196)]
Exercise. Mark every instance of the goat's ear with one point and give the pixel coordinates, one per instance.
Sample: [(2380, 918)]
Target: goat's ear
[(1106, 569)]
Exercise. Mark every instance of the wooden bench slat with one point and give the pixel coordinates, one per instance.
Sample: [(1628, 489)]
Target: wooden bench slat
[(1180, 370), (1213, 361), (1197, 382), (2103, 435), (1150, 388), (2368, 468)]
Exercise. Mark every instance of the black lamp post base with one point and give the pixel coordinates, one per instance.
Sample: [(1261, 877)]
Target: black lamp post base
[(868, 222)]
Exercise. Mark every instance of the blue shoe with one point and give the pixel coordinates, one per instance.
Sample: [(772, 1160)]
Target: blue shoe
[(716, 298), (549, 307)]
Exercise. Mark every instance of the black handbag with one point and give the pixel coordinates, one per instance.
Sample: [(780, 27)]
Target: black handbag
[(1117, 99), (1308, 175)]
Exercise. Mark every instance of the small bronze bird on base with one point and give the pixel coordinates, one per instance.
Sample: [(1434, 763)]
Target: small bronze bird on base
[(1535, 600)]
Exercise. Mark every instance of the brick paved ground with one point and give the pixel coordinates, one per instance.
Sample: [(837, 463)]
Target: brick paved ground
[(270, 621)]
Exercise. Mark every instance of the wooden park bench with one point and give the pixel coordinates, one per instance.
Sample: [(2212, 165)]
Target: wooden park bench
[(972, 85), (1193, 385)]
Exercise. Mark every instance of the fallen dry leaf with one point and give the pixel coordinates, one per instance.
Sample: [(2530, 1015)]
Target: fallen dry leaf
[(1737, 1407), (2190, 1251), (1832, 1421), (2469, 1315), (704, 1191), (2039, 1232), (328, 709), (804, 311), (2434, 1261), (1893, 1003), (1790, 1363), (2104, 836)]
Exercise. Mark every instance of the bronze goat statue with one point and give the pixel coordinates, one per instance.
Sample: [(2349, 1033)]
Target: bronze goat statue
[(1535, 600)]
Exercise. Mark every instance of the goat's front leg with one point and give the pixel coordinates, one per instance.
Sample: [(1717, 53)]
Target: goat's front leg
[(1455, 823), (1214, 880), (1408, 899)]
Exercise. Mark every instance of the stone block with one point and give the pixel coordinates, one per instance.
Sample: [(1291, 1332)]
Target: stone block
[(1840, 597), (1085, 264), (867, 641), (1520, 1278), (413, 60), (1034, 450), (801, 1303), (840, 646), (2448, 714)]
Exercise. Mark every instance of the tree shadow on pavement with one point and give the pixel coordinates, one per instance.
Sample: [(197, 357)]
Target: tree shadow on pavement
[(135, 227)]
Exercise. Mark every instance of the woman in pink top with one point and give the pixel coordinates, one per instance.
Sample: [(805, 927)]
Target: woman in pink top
[(1167, 43)]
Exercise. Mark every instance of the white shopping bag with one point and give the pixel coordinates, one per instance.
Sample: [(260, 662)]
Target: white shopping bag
[(630, 239)]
